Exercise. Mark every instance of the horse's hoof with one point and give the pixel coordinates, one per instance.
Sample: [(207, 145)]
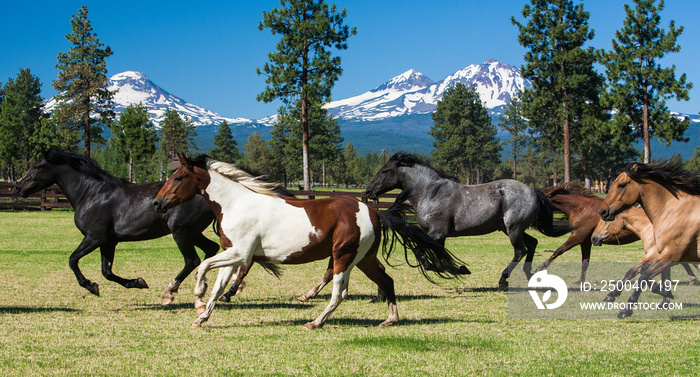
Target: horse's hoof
[(388, 323), (311, 326), (225, 298), (94, 289), (609, 299), (141, 284), (303, 298), (503, 287), (579, 282), (200, 309), (167, 300), (624, 314), (195, 325), (693, 281)]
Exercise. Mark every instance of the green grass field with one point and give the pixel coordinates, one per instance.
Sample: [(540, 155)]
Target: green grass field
[(52, 326)]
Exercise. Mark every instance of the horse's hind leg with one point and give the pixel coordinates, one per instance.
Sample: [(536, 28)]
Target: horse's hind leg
[(186, 242), (519, 251), (375, 271), (530, 246), (341, 267), (693, 280), (327, 277), (107, 252)]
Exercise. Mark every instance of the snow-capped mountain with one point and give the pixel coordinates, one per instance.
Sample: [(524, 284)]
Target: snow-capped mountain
[(134, 87), (414, 93)]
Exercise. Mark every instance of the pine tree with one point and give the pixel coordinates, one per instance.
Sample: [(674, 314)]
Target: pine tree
[(560, 70), (638, 84), (465, 140), (303, 69), (257, 154), (176, 134), (512, 121), (136, 134), (84, 104), (225, 147), (20, 118)]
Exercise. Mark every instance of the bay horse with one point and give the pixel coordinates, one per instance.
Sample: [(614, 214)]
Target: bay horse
[(447, 208), (670, 198), (109, 210), (633, 220), (257, 224)]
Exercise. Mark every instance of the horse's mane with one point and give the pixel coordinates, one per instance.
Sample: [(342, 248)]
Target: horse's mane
[(409, 159), (253, 183), (666, 173), (569, 188), (82, 164)]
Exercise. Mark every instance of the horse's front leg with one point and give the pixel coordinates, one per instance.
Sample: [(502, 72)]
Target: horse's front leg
[(107, 252), (87, 246), (327, 277), (222, 280), (648, 271), (238, 283), (632, 272)]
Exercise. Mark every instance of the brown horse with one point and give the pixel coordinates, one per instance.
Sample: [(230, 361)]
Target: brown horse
[(269, 227), (670, 197), (633, 220), (581, 206)]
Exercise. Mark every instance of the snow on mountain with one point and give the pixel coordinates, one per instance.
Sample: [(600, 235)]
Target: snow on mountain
[(412, 92), (134, 87)]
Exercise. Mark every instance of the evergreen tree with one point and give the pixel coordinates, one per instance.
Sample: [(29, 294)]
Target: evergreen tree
[(560, 70), (257, 154), (176, 134), (84, 104), (136, 134), (302, 69), (638, 84), (465, 140), (512, 121), (225, 148), (20, 118)]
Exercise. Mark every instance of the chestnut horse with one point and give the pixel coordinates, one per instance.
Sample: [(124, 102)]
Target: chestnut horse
[(669, 196), (257, 224), (633, 220)]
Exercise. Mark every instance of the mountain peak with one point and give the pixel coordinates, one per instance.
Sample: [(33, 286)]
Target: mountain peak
[(408, 81)]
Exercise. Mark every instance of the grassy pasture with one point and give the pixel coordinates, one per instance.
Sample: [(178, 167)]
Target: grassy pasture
[(51, 326)]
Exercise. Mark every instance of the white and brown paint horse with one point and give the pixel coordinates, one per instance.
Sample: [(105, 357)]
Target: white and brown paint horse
[(670, 198), (257, 224)]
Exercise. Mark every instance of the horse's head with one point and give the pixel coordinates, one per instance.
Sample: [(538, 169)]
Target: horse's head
[(385, 180), (38, 177), (190, 179), (624, 192)]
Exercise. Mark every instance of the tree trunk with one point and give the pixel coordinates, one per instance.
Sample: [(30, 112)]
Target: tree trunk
[(305, 123), (647, 144), (86, 130)]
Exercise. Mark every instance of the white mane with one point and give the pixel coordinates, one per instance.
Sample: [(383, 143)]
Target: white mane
[(244, 178)]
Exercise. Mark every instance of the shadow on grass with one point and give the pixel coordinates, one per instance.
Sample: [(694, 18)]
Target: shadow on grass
[(222, 306), (354, 322), (32, 309)]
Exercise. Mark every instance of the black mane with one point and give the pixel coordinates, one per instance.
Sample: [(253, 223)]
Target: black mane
[(82, 164), (409, 159), (670, 174)]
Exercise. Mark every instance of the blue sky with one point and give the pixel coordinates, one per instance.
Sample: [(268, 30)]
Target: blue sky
[(207, 52)]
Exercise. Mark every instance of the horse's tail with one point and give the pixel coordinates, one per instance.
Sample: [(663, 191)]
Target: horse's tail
[(426, 250), (272, 268), (545, 218)]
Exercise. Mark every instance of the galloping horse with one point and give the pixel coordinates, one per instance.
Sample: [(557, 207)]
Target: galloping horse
[(447, 208), (632, 220), (109, 210), (257, 224), (669, 196)]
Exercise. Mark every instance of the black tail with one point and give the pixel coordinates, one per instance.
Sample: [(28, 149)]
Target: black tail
[(410, 236), (545, 218), (272, 268)]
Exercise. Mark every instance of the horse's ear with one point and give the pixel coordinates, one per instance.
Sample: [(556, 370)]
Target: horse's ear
[(634, 167)]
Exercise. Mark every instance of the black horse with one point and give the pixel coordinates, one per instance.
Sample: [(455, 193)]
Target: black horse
[(109, 210), (446, 208)]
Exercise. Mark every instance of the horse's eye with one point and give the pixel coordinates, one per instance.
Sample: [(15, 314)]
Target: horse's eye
[(178, 178), (621, 185)]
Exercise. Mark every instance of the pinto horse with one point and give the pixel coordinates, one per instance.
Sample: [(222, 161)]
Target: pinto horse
[(257, 224), (109, 210), (670, 197), (447, 208)]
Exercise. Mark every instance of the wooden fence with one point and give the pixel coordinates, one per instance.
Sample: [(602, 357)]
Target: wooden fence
[(52, 197)]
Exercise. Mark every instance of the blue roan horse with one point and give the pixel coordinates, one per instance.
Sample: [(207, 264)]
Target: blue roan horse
[(447, 208), (109, 210)]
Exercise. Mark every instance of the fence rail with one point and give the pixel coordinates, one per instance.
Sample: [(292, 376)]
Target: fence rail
[(52, 197)]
